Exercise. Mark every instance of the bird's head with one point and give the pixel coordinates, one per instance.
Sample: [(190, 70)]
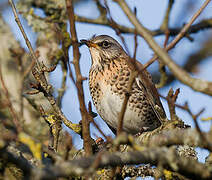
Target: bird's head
[(104, 48)]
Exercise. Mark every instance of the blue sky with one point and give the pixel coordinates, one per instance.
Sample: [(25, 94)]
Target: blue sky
[(150, 13)]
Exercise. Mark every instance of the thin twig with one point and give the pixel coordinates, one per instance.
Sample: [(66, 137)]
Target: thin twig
[(165, 23), (24, 34), (162, 68), (115, 27), (204, 139), (64, 60), (135, 39), (94, 123)]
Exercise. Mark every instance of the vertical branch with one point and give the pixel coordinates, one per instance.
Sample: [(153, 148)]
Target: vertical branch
[(63, 36), (129, 88), (55, 126), (135, 39), (171, 99), (115, 27), (165, 27), (79, 80), (165, 23)]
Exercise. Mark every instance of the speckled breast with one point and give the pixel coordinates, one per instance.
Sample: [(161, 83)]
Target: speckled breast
[(108, 86)]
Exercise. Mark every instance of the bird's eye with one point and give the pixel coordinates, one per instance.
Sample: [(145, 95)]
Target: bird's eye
[(104, 44)]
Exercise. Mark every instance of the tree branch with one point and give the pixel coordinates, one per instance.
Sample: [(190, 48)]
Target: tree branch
[(180, 74), (204, 24), (168, 157), (79, 80)]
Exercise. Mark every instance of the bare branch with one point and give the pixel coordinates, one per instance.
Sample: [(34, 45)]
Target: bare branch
[(79, 79), (171, 99), (180, 74), (204, 24), (167, 156)]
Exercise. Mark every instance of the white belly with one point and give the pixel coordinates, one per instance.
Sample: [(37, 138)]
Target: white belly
[(110, 108)]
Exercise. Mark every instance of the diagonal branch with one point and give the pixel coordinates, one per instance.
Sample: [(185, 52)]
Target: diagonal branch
[(196, 84), (38, 73)]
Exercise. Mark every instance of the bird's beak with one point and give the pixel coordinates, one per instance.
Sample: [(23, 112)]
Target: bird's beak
[(88, 43)]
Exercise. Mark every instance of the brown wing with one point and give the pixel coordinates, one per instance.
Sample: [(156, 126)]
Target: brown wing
[(145, 80)]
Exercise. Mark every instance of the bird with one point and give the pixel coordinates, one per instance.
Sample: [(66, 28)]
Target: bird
[(108, 81)]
